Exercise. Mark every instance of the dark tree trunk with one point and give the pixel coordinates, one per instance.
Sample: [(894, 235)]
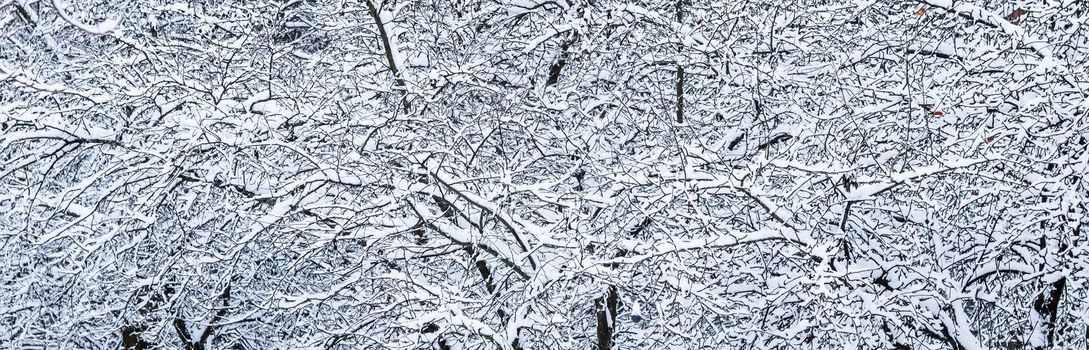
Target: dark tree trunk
[(606, 318), (557, 68), (680, 68), (131, 340), (680, 93), (1047, 305), (388, 48)]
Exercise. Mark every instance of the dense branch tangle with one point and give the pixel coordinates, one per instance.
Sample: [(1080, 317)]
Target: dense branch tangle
[(543, 174)]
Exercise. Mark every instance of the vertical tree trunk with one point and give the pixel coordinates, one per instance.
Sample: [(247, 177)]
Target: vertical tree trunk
[(680, 66), (607, 306), (388, 48), (1047, 305), (1047, 302), (680, 93), (606, 318), (556, 69)]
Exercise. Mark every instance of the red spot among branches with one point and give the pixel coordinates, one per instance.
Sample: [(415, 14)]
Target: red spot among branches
[(1015, 16)]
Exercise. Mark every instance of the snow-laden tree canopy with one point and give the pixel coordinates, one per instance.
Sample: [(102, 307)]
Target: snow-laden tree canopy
[(544, 174)]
